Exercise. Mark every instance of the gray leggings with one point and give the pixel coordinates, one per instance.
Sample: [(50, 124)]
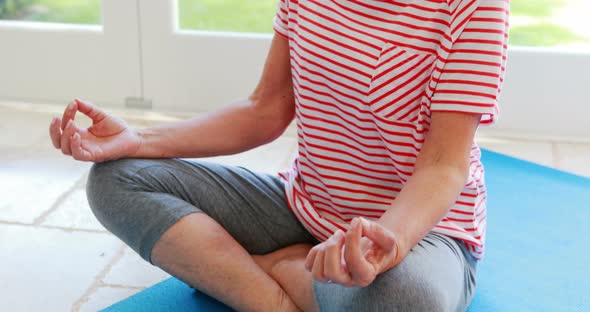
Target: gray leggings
[(138, 200)]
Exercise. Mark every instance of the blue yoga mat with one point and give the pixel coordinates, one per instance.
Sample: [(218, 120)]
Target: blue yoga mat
[(537, 253)]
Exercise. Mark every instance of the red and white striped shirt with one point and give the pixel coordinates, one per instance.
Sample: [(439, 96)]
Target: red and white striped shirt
[(367, 75)]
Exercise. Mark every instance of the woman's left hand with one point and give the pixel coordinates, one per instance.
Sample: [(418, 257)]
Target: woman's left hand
[(354, 258)]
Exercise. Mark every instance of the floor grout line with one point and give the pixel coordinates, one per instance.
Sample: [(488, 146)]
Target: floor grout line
[(16, 223), (98, 280), (73, 230), (54, 227), (118, 286), (60, 200)]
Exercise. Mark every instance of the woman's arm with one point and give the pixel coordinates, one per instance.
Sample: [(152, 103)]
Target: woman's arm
[(243, 125), (440, 173)]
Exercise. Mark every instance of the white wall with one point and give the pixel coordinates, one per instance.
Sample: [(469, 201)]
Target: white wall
[(546, 94)]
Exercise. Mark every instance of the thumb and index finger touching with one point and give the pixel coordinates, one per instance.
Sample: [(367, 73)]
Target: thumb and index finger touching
[(90, 110), (362, 270), (375, 232), (86, 108), (94, 113), (59, 129), (378, 234)]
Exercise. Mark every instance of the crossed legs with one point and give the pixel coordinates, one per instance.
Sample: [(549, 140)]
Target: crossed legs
[(202, 222)]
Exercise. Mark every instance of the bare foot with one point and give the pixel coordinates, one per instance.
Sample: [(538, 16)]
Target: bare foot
[(286, 267), (267, 262)]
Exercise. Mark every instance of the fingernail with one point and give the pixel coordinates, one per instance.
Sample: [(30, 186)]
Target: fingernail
[(69, 124), (71, 106), (355, 221)]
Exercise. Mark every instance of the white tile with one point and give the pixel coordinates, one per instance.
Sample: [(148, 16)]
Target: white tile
[(537, 152), (268, 158), (132, 270), (23, 129), (74, 213), (48, 269), (105, 297), (574, 158), (31, 183)]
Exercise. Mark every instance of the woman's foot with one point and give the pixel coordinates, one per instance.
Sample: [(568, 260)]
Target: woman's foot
[(286, 267), (269, 261)]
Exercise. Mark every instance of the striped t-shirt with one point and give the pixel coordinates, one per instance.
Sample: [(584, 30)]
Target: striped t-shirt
[(367, 76)]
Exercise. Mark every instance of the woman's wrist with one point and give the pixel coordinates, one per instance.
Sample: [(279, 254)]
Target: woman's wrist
[(137, 151), (401, 248), (146, 144)]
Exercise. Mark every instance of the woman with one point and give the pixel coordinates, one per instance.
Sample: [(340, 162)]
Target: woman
[(384, 207)]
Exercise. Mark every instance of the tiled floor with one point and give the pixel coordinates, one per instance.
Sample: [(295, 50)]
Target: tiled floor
[(55, 256)]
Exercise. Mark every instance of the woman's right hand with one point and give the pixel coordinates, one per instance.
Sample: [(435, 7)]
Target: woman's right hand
[(108, 138)]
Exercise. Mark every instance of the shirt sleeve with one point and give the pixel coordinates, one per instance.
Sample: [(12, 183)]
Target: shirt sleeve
[(281, 20), (472, 76)]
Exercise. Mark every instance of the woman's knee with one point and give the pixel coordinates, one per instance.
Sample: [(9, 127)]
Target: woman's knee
[(391, 291), (108, 182), (412, 291), (103, 176)]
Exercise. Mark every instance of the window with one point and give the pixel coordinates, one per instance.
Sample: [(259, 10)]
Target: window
[(227, 15), (550, 23), (53, 11)]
